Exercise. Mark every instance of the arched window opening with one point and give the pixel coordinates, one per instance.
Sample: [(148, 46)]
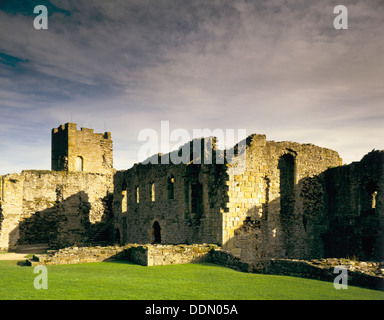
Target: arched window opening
[(79, 164), (171, 187)]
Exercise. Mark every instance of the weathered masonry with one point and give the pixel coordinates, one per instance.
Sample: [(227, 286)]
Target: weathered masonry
[(59, 208), (66, 205), (355, 208), (81, 150), (270, 200), (280, 205)]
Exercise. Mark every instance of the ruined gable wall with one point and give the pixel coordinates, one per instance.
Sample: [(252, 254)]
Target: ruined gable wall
[(262, 219), (52, 207)]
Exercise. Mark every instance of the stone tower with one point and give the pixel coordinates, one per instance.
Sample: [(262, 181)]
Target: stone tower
[(81, 150)]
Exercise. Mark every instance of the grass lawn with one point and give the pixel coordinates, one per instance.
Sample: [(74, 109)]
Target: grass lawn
[(123, 280)]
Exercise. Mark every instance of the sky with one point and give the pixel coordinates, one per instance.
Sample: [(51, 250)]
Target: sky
[(270, 67)]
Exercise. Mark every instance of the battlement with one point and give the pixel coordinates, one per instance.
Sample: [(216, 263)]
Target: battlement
[(65, 127), (81, 150), (73, 127)]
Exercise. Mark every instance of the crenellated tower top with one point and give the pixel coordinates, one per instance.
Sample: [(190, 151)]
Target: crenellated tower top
[(81, 150)]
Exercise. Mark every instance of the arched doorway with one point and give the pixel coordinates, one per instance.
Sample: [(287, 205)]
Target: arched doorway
[(156, 232)]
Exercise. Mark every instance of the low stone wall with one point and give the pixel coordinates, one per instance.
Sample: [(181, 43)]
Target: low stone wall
[(74, 255), (180, 254), (146, 255), (360, 273), (229, 260), (324, 269)]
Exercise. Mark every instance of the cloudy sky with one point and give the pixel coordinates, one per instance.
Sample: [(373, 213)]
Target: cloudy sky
[(273, 67)]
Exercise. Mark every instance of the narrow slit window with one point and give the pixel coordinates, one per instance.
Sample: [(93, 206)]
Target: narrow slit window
[(124, 203), (137, 195), (171, 187), (153, 192)]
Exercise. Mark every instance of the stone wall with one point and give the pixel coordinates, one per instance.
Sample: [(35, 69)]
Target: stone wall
[(355, 208), (275, 207), (332, 211), (255, 209), (271, 200), (364, 274), (359, 273), (168, 204), (280, 202), (75, 255), (81, 150), (60, 208), (180, 254), (146, 255)]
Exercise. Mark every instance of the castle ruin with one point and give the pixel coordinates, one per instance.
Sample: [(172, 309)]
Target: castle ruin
[(291, 200)]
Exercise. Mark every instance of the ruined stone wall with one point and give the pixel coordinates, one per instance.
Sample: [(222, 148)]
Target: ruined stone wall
[(275, 207), (81, 150), (75, 254), (355, 208), (166, 203), (275, 200), (171, 203), (159, 255), (271, 203), (10, 210), (59, 208), (146, 255)]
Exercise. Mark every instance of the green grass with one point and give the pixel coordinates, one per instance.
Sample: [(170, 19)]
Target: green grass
[(123, 280)]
